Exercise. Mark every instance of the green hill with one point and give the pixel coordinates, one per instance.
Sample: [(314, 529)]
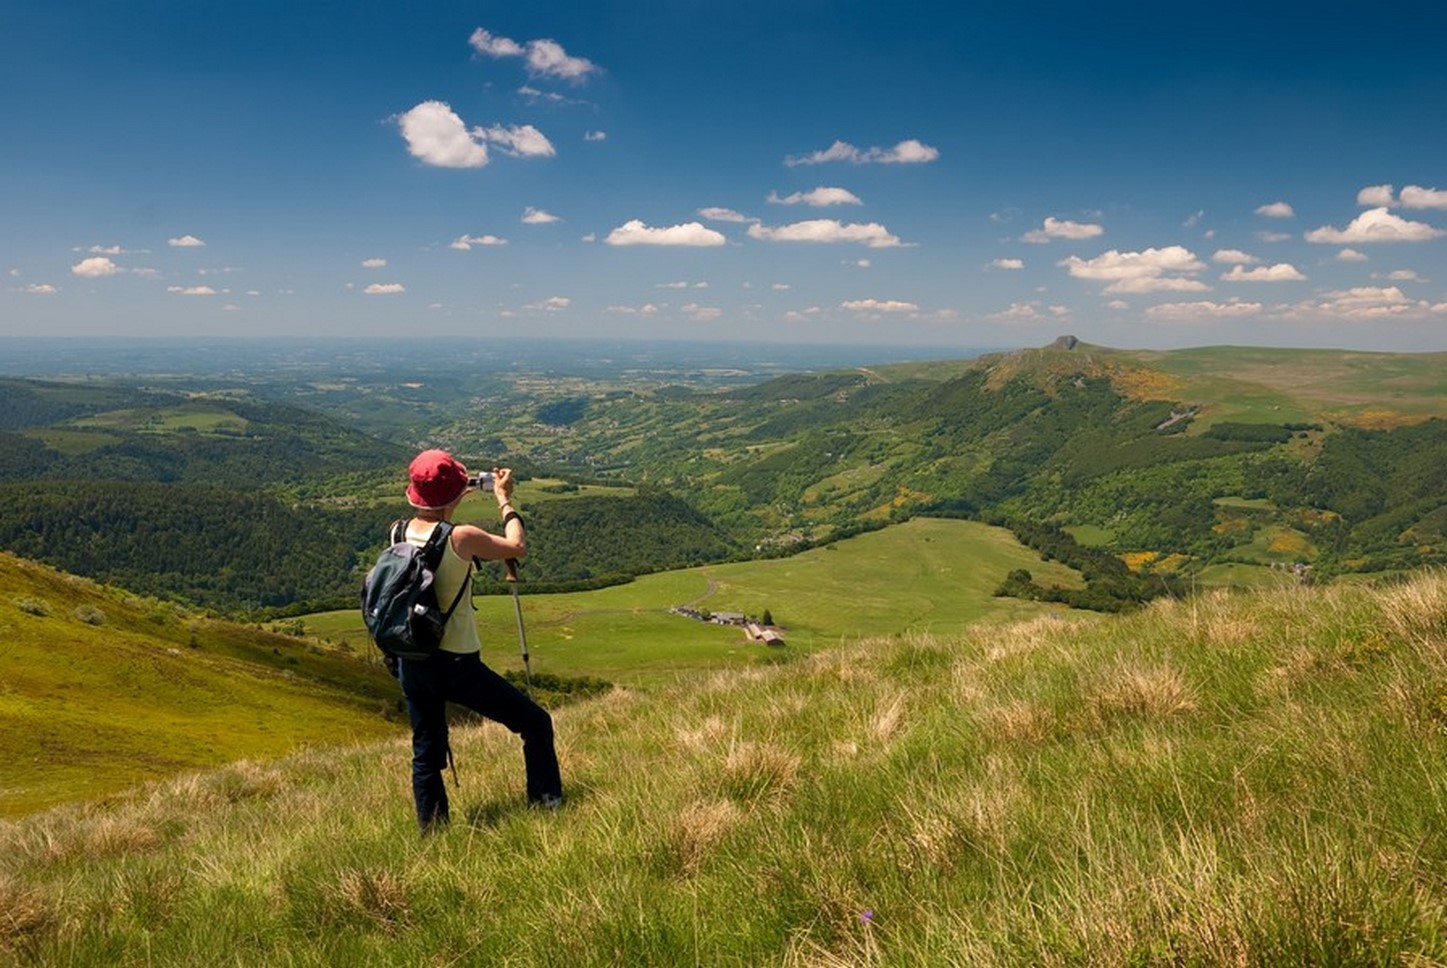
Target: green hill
[(101, 690), (1237, 779)]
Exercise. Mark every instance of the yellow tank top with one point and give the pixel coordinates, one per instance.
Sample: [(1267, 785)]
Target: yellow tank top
[(461, 632)]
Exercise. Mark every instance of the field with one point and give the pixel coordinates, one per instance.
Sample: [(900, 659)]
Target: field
[(927, 575), (101, 690), (1238, 779)]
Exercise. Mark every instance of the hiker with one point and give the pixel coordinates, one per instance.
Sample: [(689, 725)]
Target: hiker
[(456, 673)]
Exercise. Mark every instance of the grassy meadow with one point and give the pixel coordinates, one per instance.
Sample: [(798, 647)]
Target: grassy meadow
[(1251, 778), (924, 576), (101, 690)]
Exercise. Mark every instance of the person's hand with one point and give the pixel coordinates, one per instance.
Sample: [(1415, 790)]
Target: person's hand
[(502, 484)]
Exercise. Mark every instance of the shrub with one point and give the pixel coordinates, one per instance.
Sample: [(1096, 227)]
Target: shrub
[(90, 615), (33, 606)]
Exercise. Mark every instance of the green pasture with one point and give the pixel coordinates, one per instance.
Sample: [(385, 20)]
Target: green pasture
[(1090, 535), (200, 418), (926, 576), (100, 690)]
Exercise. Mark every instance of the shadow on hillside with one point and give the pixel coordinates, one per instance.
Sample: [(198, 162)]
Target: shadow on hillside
[(492, 813)]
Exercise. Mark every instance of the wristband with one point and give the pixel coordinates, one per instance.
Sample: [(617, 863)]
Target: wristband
[(512, 516)]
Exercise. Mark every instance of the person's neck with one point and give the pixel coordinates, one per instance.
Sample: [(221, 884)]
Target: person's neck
[(433, 516)]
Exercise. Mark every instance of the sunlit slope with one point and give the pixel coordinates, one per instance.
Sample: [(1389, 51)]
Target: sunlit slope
[(100, 690), (927, 575), (1242, 779)]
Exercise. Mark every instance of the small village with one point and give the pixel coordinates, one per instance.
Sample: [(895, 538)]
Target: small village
[(756, 630)]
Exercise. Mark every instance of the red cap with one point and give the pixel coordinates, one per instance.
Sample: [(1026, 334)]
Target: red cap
[(438, 479)]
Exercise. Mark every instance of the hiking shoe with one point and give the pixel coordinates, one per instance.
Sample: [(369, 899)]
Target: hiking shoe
[(549, 801)]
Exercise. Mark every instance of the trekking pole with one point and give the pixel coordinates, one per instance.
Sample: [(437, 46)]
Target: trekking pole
[(517, 606)]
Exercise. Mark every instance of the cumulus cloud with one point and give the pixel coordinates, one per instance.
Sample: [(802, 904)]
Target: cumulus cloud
[(1203, 310), (1234, 256), (634, 232), (185, 242), (701, 312), (1140, 272), (1414, 196), (464, 243), (41, 289), (553, 304), (536, 216), (817, 198), (647, 309), (871, 234), (595, 136), (1281, 272), (1008, 264), (543, 58), (1376, 196), (192, 290), (909, 151), (374, 263), (879, 306), (1405, 275), (385, 289), (1363, 302), (1265, 236), (1054, 228), (519, 140), (1375, 225), (1276, 210), (1350, 255), (716, 214), (437, 136), (95, 267)]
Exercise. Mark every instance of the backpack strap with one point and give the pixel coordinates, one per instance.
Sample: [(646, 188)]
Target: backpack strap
[(436, 546)]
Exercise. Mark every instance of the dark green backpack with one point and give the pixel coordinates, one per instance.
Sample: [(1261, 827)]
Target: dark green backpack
[(399, 595)]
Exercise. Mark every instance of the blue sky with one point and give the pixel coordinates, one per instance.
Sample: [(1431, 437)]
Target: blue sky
[(1139, 175)]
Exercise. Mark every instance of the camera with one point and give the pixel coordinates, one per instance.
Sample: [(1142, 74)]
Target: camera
[(482, 480)]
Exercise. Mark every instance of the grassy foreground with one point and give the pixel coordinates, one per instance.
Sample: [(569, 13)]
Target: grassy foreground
[(1253, 778)]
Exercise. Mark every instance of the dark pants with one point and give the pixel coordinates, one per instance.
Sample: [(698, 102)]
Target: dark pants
[(429, 685)]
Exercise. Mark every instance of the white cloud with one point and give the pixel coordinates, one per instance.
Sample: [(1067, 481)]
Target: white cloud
[(1234, 256), (1375, 225), (41, 289), (1266, 236), (1281, 272), (879, 306), (595, 136), (553, 304), (385, 289), (910, 151), (519, 141), (1019, 311), (95, 267), (781, 287), (701, 312), (374, 263), (861, 263), (192, 290), (647, 309), (464, 243), (817, 198), (1117, 304), (1375, 196), (1405, 275), (536, 216), (671, 285), (1276, 210), (1008, 264), (102, 250), (1363, 302), (544, 58), (185, 242), (872, 234), (1054, 228), (437, 136), (634, 232), (1141, 272), (1203, 309), (1414, 196), (716, 214), (1350, 255)]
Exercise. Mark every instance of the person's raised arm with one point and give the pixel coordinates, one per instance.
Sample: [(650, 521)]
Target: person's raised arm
[(473, 542)]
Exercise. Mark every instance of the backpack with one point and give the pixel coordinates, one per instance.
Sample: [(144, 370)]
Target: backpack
[(399, 595)]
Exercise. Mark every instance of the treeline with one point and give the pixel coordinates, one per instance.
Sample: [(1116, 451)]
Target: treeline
[(233, 551)]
